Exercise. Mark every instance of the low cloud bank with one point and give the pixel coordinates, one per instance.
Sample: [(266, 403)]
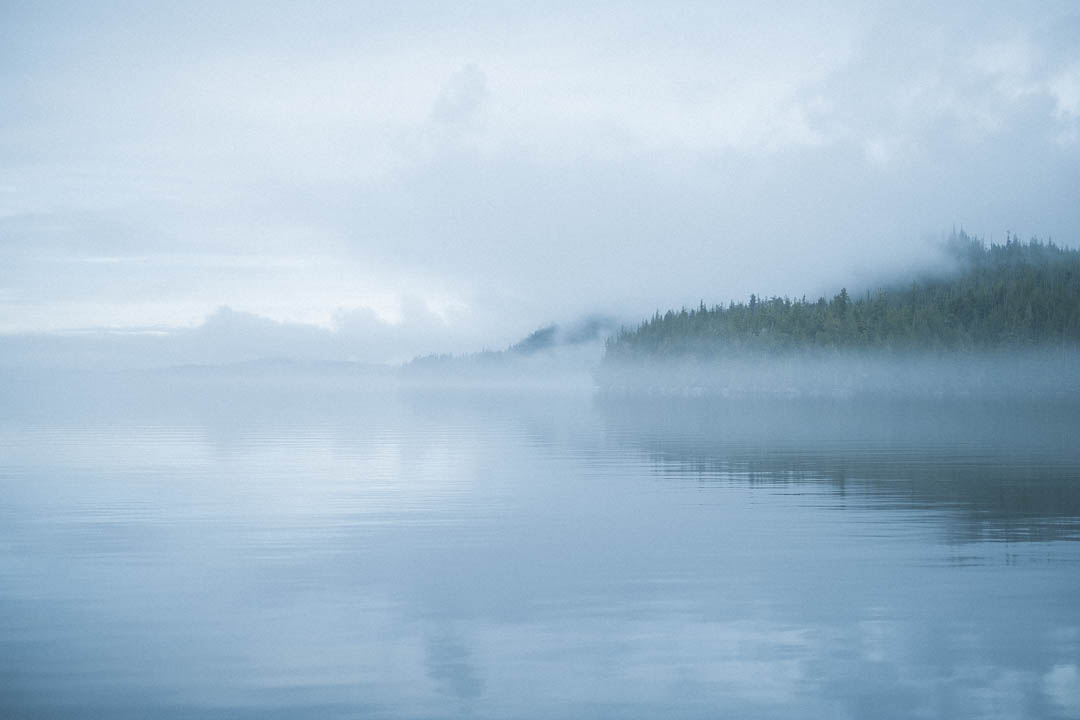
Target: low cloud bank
[(1052, 372), (232, 337), (551, 356)]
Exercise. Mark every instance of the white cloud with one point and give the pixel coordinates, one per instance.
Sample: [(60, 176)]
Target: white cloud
[(461, 98), (1065, 89), (512, 168), (1062, 685)]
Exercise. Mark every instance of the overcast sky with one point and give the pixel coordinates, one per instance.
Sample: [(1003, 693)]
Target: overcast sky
[(427, 177)]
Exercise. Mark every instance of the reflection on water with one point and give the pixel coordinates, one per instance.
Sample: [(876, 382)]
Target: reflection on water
[(255, 551), (996, 470)]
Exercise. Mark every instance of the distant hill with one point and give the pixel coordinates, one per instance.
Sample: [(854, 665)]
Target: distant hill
[(549, 355), (1011, 296)]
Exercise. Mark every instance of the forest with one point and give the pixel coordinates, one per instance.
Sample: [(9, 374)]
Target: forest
[(1009, 296)]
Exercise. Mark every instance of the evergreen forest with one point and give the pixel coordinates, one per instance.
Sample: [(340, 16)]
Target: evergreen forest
[(999, 296)]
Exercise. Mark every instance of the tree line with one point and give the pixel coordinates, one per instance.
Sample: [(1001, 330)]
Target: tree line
[(1012, 295)]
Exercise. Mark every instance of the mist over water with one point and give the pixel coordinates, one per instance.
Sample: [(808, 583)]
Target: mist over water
[(1046, 372), (246, 548), (406, 360)]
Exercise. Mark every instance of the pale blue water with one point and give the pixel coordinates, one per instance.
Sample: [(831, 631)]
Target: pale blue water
[(316, 552)]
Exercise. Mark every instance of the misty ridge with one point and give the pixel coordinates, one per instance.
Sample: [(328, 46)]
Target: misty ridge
[(554, 355), (237, 358), (1004, 320), (997, 319)]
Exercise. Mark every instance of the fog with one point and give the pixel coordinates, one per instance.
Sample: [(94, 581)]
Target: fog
[(567, 359), (374, 182), (1047, 372)]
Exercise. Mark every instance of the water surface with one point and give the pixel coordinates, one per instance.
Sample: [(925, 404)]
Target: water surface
[(253, 550)]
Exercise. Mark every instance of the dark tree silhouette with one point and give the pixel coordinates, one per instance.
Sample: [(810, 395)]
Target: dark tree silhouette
[(1014, 295)]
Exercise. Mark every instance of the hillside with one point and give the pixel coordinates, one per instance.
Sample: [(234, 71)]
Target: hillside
[(1011, 296), (552, 355)]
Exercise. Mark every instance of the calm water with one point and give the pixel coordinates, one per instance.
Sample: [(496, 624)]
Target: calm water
[(315, 552)]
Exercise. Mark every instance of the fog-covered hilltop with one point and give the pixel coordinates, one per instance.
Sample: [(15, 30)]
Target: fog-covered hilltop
[(553, 355), (1002, 296), (1003, 314)]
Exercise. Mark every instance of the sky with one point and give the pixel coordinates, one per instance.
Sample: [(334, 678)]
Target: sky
[(402, 178)]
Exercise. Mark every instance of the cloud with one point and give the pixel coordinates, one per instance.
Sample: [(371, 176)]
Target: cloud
[(228, 336), (1062, 685), (1065, 89), (461, 99), (509, 167)]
